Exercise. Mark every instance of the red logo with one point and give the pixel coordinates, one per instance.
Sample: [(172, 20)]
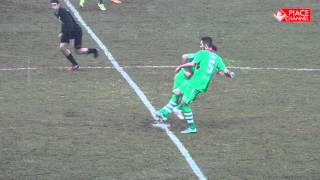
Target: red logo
[(293, 15)]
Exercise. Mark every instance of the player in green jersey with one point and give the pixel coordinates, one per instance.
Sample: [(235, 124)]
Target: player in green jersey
[(206, 63), (179, 79), (185, 73)]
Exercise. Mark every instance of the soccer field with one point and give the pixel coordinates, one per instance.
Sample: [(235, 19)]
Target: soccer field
[(91, 124)]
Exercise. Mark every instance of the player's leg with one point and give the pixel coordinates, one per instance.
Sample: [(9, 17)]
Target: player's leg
[(189, 95), (101, 5), (188, 115), (179, 79), (64, 43), (67, 53), (83, 50), (166, 110), (81, 3), (178, 83), (79, 48)]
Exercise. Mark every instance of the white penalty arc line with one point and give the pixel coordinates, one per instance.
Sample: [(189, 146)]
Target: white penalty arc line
[(156, 67), (141, 95)]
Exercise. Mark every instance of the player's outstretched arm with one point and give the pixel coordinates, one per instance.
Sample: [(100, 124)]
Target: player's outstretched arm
[(190, 64)]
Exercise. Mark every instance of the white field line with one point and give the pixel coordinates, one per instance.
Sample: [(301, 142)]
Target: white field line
[(273, 68), (156, 67), (141, 95)]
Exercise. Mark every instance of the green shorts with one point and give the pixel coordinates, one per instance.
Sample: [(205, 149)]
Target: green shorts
[(189, 93), (179, 79)]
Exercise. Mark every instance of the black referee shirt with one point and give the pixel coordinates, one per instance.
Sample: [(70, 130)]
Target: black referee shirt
[(68, 22)]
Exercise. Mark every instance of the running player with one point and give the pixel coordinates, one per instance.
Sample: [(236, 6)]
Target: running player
[(70, 30)]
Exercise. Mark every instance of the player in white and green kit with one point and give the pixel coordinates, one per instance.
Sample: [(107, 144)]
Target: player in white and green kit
[(206, 63)]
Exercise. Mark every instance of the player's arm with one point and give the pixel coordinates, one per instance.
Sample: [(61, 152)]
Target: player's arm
[(185, 58), (228, 73), (186, 65), (222, 70)]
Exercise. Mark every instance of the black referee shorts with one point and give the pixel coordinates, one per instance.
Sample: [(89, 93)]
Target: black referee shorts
[(76, 35)]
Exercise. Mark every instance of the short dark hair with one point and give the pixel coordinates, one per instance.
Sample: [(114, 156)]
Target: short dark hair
[(55, 1), (208, 41)]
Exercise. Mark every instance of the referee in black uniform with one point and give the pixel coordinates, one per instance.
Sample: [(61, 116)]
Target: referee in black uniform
[(70, 30)]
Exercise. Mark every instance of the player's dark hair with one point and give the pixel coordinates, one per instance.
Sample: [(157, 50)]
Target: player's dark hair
[(208, 41), (54, 1)]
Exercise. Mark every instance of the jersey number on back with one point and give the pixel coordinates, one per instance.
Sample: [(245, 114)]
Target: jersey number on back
[(210, 66)]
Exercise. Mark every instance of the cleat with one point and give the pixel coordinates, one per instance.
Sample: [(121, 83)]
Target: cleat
[(178, 113), (189, 131), (161, 125), (160, 117), (116, 1), (73, 68), (102, 7), (81, 3), (96, 53)]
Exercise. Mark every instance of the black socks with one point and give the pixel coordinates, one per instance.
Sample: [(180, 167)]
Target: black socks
[(71, 59)]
